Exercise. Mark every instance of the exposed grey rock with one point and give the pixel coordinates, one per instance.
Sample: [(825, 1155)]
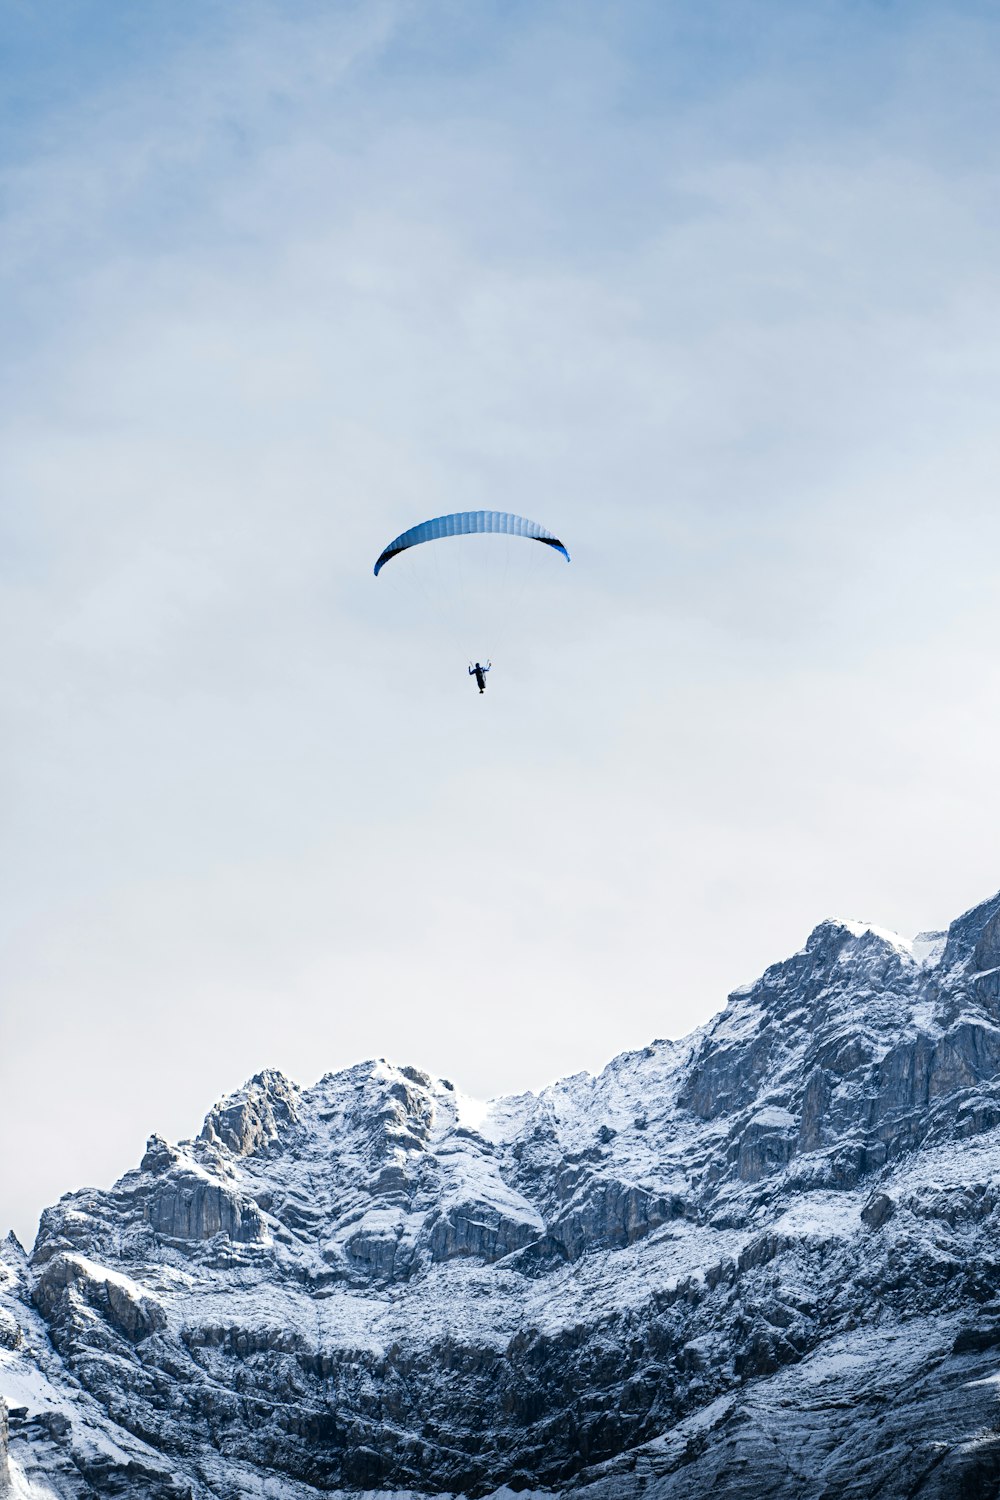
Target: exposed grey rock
[(187, 1208), (255, 1117), (6, 1482), (877, 1210), (765, 1259)]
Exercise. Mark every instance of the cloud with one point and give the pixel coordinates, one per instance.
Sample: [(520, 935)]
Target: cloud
[(721, 308)]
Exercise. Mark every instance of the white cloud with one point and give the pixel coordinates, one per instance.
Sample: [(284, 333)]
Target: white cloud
[(297, 283)]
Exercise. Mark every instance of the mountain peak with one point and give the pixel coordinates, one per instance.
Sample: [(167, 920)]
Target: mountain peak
[(254, 1116), (617, 1283), (973, 940)]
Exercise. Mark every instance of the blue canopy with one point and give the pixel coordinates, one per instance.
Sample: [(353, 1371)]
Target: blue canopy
[(470, 523)]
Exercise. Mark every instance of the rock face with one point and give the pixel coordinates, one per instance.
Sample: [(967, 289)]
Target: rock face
[(764, 1259)]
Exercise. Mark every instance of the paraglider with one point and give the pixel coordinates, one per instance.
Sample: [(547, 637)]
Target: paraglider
[(469, 523)]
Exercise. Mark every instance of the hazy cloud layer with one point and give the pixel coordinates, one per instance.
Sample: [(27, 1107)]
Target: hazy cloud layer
[(713, 296)]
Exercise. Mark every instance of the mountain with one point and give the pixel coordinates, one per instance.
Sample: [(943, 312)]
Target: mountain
[(761, 1260)]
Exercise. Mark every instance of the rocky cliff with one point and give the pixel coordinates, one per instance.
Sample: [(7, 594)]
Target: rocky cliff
[(764, 1259)]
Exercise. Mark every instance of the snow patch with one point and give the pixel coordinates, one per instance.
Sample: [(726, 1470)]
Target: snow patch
[(471, 1114), (928, 948), (894, 939), (95, 1272), (827, 1215), (22, 1488), (773, 1117)]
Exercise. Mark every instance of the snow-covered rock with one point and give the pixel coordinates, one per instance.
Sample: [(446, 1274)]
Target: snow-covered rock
[(765, 1258)]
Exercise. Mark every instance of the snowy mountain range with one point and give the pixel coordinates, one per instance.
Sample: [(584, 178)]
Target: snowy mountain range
[(764, 1259)]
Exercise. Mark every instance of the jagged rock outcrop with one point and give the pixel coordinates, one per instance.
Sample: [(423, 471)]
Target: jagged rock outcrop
[(254, 1118), (765, 1258)]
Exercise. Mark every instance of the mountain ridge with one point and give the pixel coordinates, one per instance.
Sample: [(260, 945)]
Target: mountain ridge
[(620, 1284)]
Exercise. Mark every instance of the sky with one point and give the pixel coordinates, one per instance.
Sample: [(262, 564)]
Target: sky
[(710, 290)]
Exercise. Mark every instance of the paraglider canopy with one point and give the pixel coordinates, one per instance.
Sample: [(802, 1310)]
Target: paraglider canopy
[(470, 523)]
